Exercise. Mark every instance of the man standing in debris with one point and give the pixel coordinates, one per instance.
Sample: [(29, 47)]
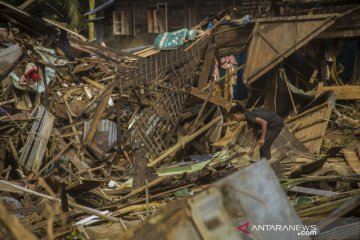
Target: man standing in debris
[(265, 125)]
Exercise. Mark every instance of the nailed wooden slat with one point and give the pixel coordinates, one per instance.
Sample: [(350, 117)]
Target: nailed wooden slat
[(269, 45), (310, 126), (32, 134)]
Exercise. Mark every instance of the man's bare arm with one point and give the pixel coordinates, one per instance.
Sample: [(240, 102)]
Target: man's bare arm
[(263, 125), (255, 138), (254, 142)]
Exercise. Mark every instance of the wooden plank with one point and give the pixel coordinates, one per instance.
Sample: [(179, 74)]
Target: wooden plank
[(312, 191), (310, 126), (139, 190), (70, 154), (92, 82), (208, 61), (353, 160), (35, 144), (150, 20), (228, 36), (349, 92), (74, 159), (334, 33), (58, 25), (14, 151), (43, 140), (219, 101), (182, 142), (269, 45), (26, 4), (31, 136), (296, 18)]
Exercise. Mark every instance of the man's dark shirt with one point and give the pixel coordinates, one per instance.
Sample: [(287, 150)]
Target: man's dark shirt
[(273, 120)]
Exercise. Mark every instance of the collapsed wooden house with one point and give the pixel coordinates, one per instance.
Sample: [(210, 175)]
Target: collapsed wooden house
[(115, 135)]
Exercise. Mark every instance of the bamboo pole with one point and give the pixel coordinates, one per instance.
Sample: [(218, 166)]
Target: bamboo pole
[(92, 16), (288, 88)]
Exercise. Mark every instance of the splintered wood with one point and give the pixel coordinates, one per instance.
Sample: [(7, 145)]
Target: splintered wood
[(91, 135)]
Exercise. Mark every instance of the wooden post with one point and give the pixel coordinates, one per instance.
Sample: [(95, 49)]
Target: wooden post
[(208, 60), (142, 172), (282, 71), (91, 24)]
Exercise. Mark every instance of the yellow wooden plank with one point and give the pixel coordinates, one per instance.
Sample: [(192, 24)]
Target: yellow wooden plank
[(349, 92), (352, 159), (219, 101)]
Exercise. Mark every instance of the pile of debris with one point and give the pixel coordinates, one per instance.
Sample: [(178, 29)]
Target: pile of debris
[(91, 135)]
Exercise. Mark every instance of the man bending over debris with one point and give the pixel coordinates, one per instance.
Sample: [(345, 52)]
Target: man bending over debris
[(265, 125)]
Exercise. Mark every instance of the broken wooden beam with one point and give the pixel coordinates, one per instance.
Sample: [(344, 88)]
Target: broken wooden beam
[(73, 157), (348, 92), (205, 70), (219, 101), (353, 160), (182, 142)]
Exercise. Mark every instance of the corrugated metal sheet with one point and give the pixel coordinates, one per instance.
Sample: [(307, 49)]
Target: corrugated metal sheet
[(105, 126)]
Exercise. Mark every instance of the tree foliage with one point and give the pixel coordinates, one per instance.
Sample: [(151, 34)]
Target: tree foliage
[(69, 11)]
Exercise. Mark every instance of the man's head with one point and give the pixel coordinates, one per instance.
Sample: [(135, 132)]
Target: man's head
[(215, 20), (237, 112)]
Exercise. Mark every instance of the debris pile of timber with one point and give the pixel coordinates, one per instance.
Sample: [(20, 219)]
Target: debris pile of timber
[(91, 135)]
